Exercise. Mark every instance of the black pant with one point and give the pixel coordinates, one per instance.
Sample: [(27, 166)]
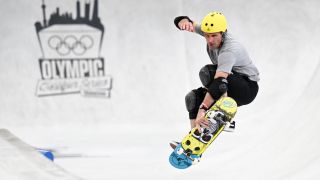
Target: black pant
[(240, 88)]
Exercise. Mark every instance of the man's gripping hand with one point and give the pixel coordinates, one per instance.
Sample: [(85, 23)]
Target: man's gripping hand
[(200, 120), (184, 23)]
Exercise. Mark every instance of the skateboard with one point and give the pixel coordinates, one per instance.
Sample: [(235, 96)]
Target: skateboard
[(195, 143)]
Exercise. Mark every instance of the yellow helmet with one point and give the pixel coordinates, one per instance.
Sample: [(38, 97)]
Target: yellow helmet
[(214, 22)]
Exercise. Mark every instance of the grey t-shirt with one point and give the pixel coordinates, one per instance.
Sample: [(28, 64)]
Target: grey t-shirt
[(232, 56)]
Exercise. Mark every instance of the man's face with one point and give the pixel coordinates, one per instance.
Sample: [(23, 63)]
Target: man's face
[(213, 39)]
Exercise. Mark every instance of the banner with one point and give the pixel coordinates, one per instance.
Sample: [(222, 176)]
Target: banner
[(70, 47)]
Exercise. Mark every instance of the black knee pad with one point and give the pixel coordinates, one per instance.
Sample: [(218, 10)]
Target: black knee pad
[(194, 98), (218, 87), (207, 73)]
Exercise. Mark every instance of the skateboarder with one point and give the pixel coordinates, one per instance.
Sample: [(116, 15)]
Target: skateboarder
[(232, 72)]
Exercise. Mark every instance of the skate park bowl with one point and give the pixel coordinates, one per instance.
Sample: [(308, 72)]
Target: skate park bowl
[(110, 113)]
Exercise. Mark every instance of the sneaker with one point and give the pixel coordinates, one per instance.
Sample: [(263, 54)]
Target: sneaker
[(174, 144), (230, 127)]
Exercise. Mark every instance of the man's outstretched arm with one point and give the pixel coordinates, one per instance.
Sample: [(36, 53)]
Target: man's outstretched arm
[(184, 23)]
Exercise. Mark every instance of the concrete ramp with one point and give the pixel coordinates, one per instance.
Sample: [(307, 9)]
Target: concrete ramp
[(19, 161), (153, 66)]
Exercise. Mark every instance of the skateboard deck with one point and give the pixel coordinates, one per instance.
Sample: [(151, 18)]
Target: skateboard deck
[(195, 143)]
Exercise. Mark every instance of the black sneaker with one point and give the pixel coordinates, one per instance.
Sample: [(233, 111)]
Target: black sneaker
[(174, 144), (230, 127)]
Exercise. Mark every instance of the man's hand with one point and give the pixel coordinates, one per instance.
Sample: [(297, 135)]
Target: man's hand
[(186, 25), (200, 120)]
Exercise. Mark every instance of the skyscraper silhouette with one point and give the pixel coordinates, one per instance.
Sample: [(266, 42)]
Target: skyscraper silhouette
[(44, 14), (87, 11), (95, 10), (78, 10)]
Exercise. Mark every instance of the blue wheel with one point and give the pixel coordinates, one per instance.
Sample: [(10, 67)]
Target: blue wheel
[(179, 161)]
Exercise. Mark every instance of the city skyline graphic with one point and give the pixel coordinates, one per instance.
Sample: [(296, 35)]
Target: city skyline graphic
[(67, 18)]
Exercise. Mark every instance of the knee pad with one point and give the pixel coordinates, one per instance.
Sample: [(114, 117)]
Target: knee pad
[(206, 74), (218, 87), (194, 98)]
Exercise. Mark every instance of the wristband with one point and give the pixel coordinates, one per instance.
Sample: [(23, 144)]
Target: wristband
[(179, 18), (204, 107)]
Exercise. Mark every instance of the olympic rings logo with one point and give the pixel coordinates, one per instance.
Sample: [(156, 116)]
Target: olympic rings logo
[(70, 44)]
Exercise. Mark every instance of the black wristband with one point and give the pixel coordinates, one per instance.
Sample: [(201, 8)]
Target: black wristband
[(204, 107), (179, 18)]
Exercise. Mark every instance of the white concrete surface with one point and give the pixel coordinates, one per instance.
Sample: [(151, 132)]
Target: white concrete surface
[(154, 65)]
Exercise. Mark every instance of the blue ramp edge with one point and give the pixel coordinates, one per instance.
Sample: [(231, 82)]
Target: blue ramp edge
[(48, 154)]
